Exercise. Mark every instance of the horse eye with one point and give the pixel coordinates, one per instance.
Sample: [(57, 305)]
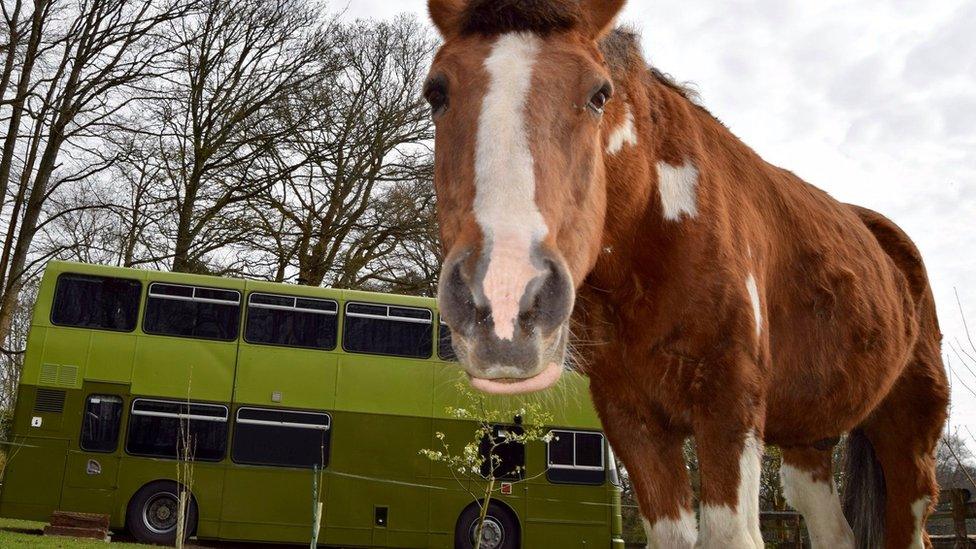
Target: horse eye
[(436, 96), (599, 99)]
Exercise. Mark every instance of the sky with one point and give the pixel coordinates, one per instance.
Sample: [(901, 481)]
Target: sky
[(873, 101)]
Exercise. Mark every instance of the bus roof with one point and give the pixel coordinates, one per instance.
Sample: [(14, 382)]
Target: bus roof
[(56, 268)]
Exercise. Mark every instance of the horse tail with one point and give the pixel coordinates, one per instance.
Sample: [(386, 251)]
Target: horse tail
[(864, 491)]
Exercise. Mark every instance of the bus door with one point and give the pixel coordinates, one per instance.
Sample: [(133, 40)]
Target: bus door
[(91, 472), (278, 457)]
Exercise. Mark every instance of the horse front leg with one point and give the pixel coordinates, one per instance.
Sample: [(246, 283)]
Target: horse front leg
[(654, 458), (728, 435)]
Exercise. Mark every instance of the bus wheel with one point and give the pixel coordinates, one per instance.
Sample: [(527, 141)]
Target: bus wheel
[(501, 530), (151, 516)]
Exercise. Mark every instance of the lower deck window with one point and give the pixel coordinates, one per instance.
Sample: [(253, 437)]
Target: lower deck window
[(177, 430), (281, 438), (100, 426), (505, 459), (576, 457)]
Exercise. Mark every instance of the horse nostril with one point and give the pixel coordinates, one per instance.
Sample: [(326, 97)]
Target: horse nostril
[(550, 302), (455, 298)]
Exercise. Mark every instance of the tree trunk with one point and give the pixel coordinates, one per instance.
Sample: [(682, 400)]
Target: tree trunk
[(23, 85)]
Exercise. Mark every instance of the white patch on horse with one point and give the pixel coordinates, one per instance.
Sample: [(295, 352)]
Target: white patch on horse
[(680, 533), (624, 134), (753, 289), (504, 203), (678, 186), (723, 526), (918, 512), (819, 503)]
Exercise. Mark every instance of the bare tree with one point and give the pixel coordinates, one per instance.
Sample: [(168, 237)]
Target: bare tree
[(216, 117), (367, 185), (80, 64)]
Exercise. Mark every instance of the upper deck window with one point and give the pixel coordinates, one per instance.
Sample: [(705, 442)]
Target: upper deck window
[(388, 330), (292, 321), (97, 302), (445, 349), (188, 311)]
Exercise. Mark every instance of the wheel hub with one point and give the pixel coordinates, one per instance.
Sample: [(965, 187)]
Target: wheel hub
[(159, 513), (492, 533)]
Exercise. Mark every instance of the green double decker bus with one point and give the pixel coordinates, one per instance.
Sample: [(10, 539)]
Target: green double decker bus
[(273, 382)]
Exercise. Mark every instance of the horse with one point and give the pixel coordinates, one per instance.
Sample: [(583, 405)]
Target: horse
[(588, 203)]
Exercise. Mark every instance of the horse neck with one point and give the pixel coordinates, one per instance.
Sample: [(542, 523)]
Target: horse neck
[(669, 206)]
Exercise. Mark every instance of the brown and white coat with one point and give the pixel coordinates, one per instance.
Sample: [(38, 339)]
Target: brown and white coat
[(715, 296)]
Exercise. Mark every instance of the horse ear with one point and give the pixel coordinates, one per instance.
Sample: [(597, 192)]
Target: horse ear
[(444, 14), (601, 15)]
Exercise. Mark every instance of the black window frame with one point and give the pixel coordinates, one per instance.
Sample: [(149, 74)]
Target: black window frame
[(327, 428), (294, 307), (577, 474), (194, 288), (64, 276), (118, 423), (181, 417), (388, 317)]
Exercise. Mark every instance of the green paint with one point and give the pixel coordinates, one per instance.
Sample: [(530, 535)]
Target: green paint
[(383, 409)]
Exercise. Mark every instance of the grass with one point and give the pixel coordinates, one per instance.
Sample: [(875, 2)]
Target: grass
[(22, 533)]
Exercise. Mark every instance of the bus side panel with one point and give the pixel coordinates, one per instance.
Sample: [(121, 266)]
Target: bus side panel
[(297, 378), (267, 504), (110, 357), (33, 477), (383, 385), (375, 463), (184, 368), (35, 461), (90, 483), (567, 516)]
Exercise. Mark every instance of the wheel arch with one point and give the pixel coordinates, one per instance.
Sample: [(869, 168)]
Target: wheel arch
[(193, 498), (504, 506)]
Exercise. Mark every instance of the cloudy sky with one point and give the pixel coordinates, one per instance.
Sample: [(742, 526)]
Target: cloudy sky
[(873, 101)]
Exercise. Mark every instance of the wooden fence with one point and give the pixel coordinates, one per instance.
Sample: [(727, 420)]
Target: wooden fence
[(955, 505), (785, 530), (782, 529)]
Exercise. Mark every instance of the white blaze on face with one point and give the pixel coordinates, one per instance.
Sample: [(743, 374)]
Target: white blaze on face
[(678, 187), (504, 203), (680, 533), (819, 503), (723, 526)]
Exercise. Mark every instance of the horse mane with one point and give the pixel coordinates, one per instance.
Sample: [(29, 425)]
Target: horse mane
[(622, 50), (493, 17), (621, 47)]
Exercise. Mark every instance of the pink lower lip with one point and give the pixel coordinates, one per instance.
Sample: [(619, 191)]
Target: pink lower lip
[(541, 381)]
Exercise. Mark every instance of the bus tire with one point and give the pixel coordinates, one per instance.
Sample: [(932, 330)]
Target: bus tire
[(501, 528), (151, 515)]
